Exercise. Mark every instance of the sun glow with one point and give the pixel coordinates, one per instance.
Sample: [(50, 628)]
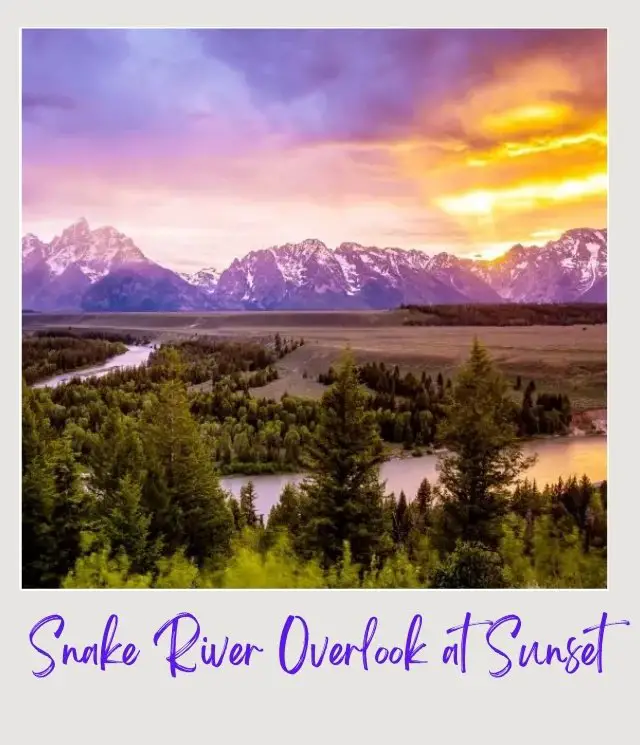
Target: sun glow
[(485, 202), (544, 114), (519, 149)]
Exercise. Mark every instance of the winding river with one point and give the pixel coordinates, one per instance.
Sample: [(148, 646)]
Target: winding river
[(557, 456), (134, 356)]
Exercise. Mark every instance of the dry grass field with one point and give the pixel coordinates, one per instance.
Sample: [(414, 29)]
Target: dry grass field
[(568, 359)]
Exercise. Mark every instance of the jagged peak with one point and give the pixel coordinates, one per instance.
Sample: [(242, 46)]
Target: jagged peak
[(578, 231), (306, 245), (81, 225), (108, 230), (443, 259), (297, 272)]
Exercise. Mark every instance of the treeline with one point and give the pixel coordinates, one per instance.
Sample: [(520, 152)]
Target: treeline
[(46, 355), (243, 433), (507, 314), (252, 435), (115, 336), (142, 506), (249, 364), (409, 407), (547, 414), (246, 433)]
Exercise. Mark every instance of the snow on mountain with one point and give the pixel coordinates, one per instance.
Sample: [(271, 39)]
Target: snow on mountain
[(34, 252), (560, 271), (98, 269), (311, 275), (104, 269), (94, 252), (206, 279)]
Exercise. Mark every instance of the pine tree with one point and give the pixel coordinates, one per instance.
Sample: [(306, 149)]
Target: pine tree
[(73, 509), (484, 457), (343, 496), (125, 525), (603, 494), (401, 520), (55, 511), (421, 507), (38, 538), (248, 513), (234, 507), (181, 489), (35, 427), (118, 453), (38, 496), (286, 515)]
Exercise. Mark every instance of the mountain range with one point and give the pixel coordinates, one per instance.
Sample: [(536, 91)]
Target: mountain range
[(103, 270)]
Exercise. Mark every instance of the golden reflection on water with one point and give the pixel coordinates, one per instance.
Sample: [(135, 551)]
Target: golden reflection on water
[(557, 457)]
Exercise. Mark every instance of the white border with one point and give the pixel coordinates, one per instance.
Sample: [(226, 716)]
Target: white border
[(325, 703)]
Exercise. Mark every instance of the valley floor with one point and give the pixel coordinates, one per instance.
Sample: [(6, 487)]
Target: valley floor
[(566, 359)]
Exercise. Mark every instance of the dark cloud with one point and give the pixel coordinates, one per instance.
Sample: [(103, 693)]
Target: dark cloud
[(312, 85), (376, 82)]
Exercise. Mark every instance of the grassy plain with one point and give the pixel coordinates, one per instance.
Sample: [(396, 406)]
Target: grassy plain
[(567, 359)]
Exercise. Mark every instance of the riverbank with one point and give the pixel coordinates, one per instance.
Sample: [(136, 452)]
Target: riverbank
[(590, 423), (134, 356), (399, 453), (396, 452), (77, 370), (557, 457)]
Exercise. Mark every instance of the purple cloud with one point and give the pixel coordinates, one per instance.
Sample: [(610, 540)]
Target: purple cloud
[(313, 84)]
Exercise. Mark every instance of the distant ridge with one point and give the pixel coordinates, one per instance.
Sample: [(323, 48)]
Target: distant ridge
[(103, 270)]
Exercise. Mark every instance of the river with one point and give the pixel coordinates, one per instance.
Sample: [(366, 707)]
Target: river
[(557, 456), (134, 356)]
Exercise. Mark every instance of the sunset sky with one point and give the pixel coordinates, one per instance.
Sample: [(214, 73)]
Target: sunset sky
[(204, 145)]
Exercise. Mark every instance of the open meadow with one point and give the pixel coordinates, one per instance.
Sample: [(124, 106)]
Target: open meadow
[(566, 359)]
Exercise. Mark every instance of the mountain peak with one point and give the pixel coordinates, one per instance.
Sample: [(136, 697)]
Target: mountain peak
[(350, 246), (94, 253), (206, 279), (105, 263), (79, 227)]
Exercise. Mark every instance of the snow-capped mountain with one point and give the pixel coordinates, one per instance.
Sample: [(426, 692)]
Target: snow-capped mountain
[(310, 275), (562, 270), (99, 269), (104, 270), (94, 252), (205, 279)]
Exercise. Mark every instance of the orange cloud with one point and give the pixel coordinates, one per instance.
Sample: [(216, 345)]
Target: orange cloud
[(525, 196), (527, 152)]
